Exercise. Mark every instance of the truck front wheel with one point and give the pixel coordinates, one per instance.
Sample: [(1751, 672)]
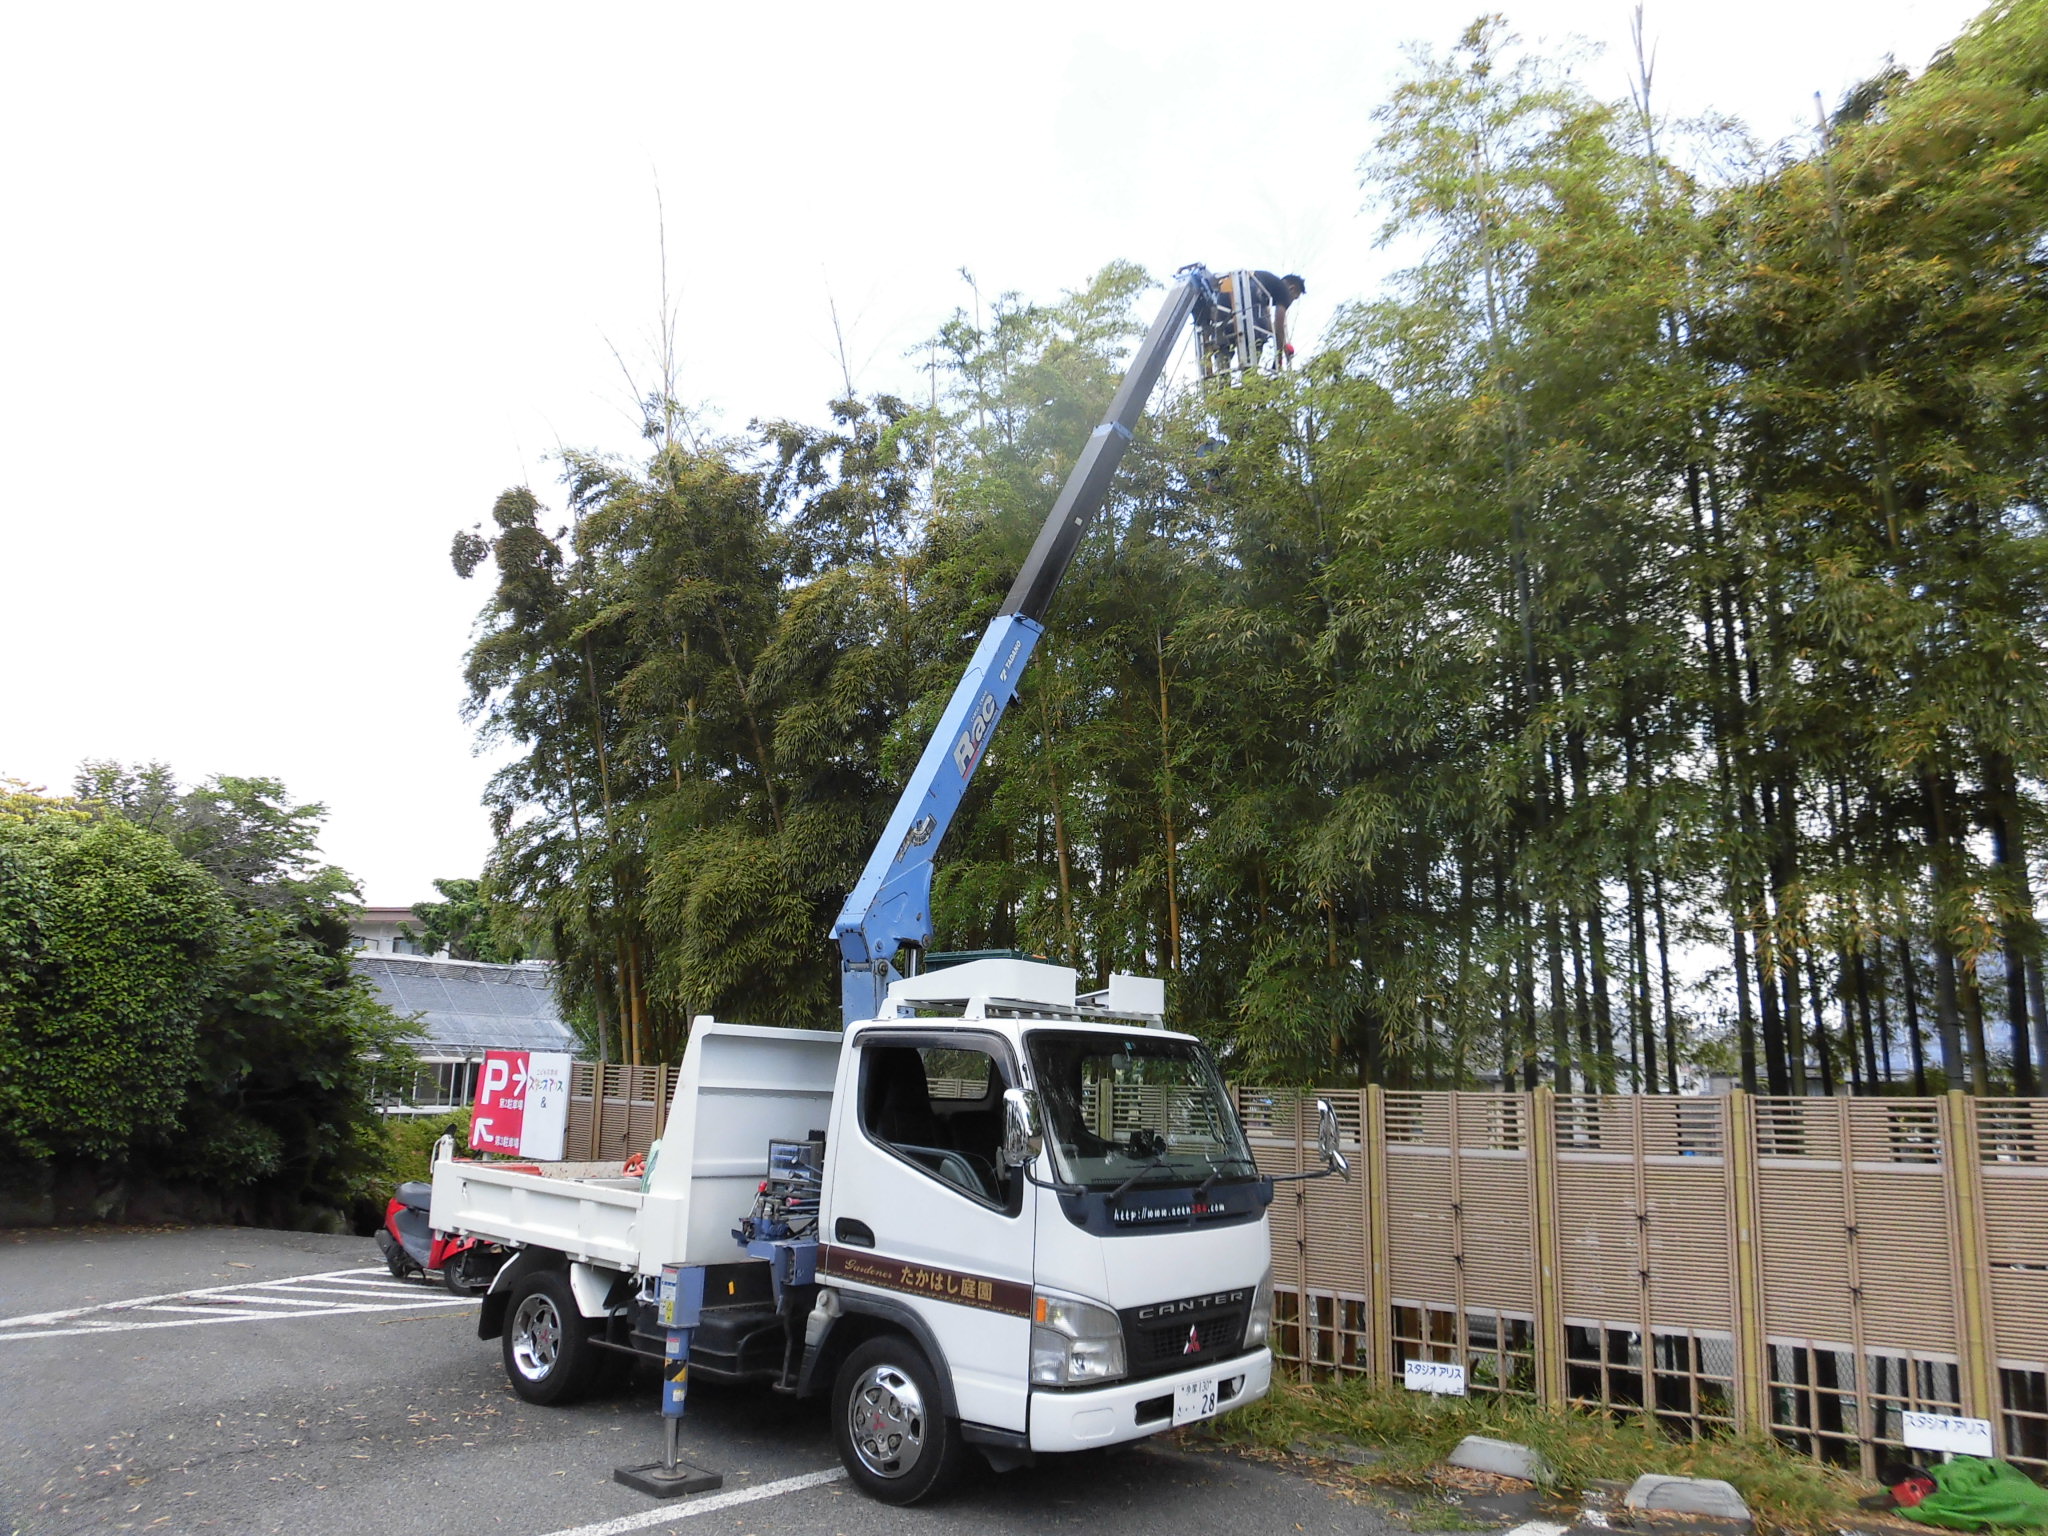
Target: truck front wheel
[(895, 1441), (549, 1356)]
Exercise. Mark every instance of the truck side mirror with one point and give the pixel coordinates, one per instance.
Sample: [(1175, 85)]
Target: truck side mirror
[(1022, 1139), (1326, 1139)]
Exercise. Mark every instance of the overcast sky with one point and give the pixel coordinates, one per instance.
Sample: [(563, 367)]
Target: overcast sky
[(288, 294)]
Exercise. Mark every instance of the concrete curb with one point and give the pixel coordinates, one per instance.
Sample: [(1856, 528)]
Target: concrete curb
[(1656, 1494), (1652, 1503), (1503, 1458)]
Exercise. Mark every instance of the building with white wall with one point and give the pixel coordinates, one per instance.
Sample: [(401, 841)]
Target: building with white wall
[(461, 1009)]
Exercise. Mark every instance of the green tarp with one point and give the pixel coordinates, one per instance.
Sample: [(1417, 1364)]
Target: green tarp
[(1972, 1494)]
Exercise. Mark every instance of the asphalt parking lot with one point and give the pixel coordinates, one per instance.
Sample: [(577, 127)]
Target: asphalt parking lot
[(248, 1381)]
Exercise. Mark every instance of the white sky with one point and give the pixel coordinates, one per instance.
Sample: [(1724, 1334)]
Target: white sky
[(288, 294)]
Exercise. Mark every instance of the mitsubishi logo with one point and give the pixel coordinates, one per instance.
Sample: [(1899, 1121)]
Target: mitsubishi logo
[(1194, 1344)]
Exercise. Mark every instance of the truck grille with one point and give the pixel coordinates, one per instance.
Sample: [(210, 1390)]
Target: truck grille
[(1180, 1334)]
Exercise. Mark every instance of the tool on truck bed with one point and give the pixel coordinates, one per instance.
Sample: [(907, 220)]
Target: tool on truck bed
[(786, 1205)]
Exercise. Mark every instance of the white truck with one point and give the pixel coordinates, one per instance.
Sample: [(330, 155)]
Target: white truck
[(1005, 1218), (986, 1213)]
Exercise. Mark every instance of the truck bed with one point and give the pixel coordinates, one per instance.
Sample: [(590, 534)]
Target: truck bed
[(606, 1220), (740, 1087)]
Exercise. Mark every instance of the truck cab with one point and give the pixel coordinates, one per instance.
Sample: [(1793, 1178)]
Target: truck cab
[(1049, 1200)]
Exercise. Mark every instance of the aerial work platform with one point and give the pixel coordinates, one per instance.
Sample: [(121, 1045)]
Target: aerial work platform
[(1237, 315)]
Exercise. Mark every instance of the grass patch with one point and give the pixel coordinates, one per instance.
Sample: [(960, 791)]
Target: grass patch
[(1415, 1431), (1439, 1515)]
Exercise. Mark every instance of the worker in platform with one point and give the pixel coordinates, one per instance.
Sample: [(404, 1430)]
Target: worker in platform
[(1216, 317)]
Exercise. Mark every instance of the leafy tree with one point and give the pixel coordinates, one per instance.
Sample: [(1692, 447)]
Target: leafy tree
[(467, 924), (176, 997), (280, 1100), (113, 947), (1892, 336)]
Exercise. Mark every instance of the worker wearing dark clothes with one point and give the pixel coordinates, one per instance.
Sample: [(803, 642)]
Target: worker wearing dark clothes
[(1216, 318)]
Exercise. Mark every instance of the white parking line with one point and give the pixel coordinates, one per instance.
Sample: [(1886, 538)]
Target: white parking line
[(332, 1292), (321, 1295), (213, 1311), (215, 1315), (210, 1290), (709, 1504), (348, 1283), (1539, 1528)]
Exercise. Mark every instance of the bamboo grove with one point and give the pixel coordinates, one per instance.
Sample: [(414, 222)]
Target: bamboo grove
[(1617, 655)]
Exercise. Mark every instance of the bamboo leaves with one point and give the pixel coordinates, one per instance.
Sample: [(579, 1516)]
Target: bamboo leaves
[(1620, 655)]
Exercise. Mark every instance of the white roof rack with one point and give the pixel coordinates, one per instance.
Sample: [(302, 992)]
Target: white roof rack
[(1024, 989)]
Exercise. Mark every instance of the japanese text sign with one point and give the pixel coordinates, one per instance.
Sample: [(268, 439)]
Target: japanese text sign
[(522, 1104)]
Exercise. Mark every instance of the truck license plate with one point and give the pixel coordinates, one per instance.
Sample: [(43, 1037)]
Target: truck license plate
[(1194, 1400)]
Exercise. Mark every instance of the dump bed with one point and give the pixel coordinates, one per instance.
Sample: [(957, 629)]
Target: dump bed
[(606, 1221), (740, 1088)]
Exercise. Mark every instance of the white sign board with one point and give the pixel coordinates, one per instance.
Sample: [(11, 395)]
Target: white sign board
[(1945, 1432), (547, 1106), (1434, 1376)]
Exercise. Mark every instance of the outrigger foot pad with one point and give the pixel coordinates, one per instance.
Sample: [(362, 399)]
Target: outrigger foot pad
[(663, 1481)]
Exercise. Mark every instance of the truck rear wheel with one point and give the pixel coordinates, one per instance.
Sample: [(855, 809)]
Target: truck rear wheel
[(895, 1441), (549, 1356)]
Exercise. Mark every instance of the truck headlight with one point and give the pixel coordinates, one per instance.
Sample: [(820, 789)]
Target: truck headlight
[(1074, 1342), (1258, 1325)]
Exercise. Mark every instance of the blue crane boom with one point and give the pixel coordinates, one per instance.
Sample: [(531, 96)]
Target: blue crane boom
[(890, 905)]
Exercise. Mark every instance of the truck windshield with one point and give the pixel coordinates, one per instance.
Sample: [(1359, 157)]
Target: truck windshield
[(1135, 1109)]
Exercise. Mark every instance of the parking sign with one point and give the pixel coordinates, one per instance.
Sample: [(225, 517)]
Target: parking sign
[(522, 1104)]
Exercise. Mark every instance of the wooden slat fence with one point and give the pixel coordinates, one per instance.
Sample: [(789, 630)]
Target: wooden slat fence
[(626, 1117), (1810, 1267)]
